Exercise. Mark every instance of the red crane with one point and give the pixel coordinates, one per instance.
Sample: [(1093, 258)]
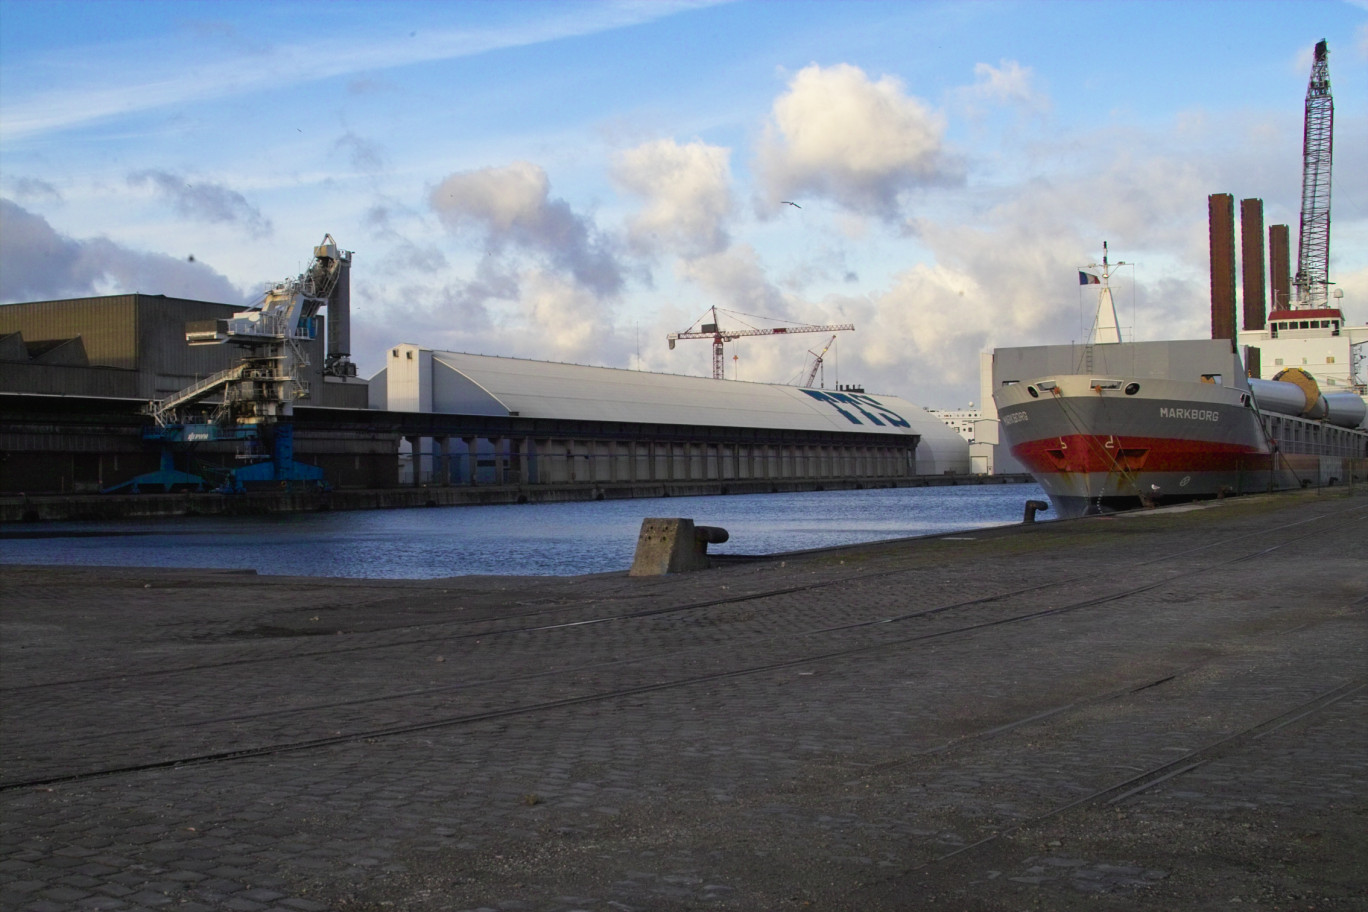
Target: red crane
[(719, 336), (1313, 250)]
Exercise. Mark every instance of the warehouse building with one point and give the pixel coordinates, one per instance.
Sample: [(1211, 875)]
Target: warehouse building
[(75, 375), (569, 423)]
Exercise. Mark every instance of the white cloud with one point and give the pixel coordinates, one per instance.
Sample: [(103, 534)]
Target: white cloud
[(528, 313), (37, 263), (837, 135), (203, 201), (1008, 84), (512, 206), (688, 196), (736, 279)]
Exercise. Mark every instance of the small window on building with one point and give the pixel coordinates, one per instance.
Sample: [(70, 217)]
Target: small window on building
[(408, 355), (1304, 324), (1277, 361), (1329, 359)]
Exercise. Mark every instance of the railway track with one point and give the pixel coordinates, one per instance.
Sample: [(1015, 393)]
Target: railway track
[(964, 617), (1344, 517)]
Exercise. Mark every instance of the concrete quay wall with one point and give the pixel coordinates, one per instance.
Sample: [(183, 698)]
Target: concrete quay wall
[(57, 507)]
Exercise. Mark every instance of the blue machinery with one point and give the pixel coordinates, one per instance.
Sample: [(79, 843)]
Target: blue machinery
[(252, 401)]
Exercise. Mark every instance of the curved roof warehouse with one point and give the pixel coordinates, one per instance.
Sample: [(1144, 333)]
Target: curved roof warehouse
[(417, 379)]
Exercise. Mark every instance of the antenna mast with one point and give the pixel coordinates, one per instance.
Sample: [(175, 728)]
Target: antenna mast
[(1313, 251)]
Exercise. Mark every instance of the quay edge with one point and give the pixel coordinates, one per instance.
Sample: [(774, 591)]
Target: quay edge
[(107, 507)]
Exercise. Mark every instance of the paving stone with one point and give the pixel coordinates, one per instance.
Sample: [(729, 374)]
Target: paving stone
[(810, 750)]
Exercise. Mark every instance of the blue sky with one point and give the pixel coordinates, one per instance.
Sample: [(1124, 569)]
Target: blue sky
[(572, 181)]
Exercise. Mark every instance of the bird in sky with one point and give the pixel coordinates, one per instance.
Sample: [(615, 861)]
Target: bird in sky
[(794, 205)]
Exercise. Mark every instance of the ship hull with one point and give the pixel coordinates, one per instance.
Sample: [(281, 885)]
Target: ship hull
[(1101, 445)]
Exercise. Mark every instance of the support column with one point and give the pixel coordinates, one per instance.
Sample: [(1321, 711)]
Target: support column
[(472, 459), (441, 460), (500, 460), (416, 460)]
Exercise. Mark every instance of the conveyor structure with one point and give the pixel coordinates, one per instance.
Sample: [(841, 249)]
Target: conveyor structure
[(252, 401)]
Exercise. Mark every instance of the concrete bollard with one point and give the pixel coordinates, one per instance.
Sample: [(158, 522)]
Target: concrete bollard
[(1031, 507), (673, 546)]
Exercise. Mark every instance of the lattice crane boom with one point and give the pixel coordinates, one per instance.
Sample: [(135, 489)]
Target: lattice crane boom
[(1313, 251), (817, 363), (720, 336)]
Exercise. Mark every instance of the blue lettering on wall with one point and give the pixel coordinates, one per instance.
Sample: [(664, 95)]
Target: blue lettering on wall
[(860, 403), (888, 414)]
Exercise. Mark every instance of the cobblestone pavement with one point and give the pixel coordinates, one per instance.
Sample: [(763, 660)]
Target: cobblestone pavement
[(1161, 710)]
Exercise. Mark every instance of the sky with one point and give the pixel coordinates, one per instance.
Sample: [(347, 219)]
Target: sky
[(572, 181)]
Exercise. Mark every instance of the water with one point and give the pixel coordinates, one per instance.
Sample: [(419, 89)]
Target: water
[(528, 539)]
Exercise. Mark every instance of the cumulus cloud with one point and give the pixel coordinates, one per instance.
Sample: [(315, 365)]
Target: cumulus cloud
[(203, 201), (737, 277), (32, 189), (527, 313), (687, 193), (838, 135), (1003, 274), (38, 263), (512, 207), (1009, 84)]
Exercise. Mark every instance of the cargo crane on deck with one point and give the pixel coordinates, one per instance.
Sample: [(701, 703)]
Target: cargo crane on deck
[(719, 336), (252, 402), (1313, 249)]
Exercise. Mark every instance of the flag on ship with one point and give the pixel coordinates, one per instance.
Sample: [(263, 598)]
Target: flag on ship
[(1087, 278)]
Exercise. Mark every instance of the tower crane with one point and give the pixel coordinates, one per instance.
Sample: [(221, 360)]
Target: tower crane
[(1313, 250), (720, 336)]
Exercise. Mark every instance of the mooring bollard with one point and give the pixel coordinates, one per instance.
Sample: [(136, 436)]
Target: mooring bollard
[(1031, 507), (673, 546)]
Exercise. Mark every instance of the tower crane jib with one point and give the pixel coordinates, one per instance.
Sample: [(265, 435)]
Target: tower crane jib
[(720, 336)]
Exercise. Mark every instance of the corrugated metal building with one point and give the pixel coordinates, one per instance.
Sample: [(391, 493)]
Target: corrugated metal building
[(132, 347), (568, 423), (74, 374)]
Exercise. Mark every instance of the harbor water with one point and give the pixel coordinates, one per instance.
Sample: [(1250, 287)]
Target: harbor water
[(559, 539)]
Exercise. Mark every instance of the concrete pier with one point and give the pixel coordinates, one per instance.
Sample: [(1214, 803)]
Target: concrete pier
[(78, 507), (1158, 710)]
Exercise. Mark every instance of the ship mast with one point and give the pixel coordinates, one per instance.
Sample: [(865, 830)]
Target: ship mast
[(1313, 251), (1106, 328)]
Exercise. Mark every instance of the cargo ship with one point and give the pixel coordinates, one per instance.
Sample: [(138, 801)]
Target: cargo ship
[(1113, 425)]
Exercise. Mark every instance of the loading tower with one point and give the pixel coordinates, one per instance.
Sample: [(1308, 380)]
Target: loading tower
[(252, 402)]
